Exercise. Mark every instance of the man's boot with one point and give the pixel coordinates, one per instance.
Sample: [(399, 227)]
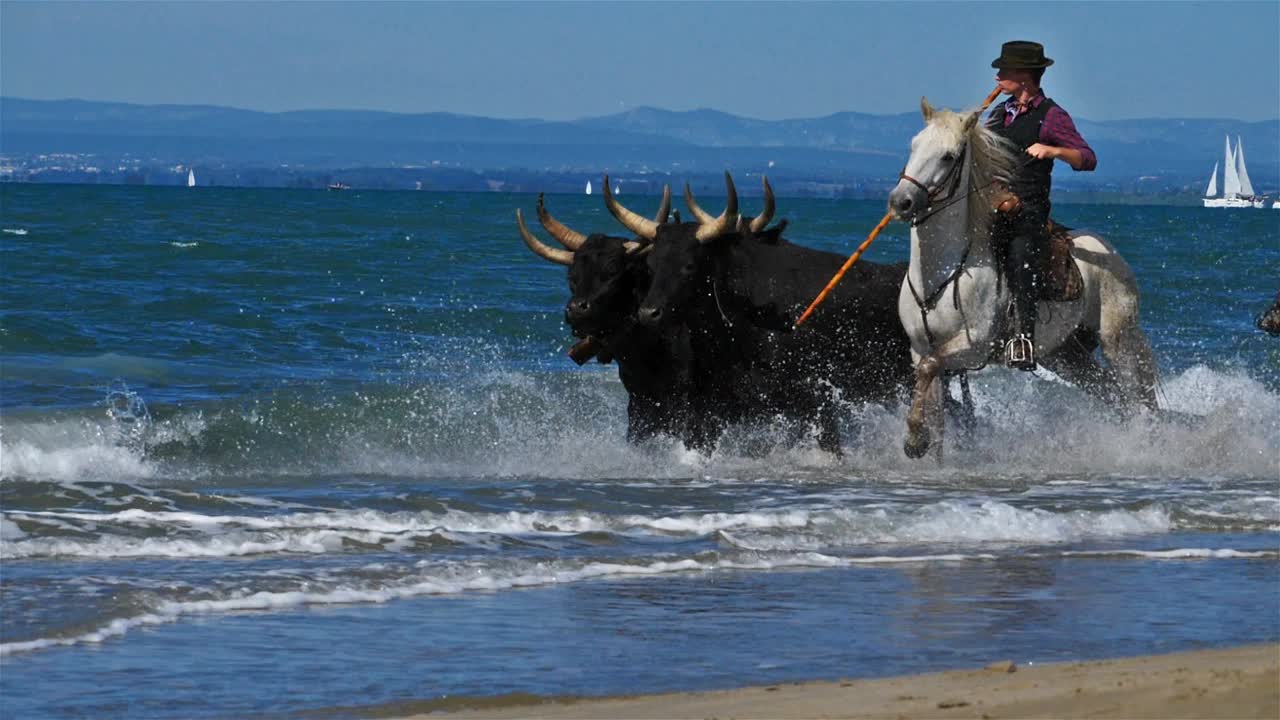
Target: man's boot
[(1022, 268)]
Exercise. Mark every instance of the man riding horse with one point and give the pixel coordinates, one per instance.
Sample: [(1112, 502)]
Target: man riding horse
[(1042, 130)]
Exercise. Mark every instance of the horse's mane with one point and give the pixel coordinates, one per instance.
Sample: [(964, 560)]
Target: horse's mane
[(993, 159)]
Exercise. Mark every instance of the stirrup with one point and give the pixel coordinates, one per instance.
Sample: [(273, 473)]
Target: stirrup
[(1020, 352)]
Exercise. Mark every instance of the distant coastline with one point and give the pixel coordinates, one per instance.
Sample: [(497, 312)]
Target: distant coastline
[(844, 155), (372, 180)]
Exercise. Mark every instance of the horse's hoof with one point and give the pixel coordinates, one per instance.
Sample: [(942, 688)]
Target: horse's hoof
[(916, 445)]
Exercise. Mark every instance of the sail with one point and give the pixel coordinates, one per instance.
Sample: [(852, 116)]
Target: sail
[(1213, 183), (191, 178), (1230, 180), (588, 187), (1246, 187)]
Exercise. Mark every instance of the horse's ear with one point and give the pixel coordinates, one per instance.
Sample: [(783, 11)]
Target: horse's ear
[(926, 109), (970, 120)]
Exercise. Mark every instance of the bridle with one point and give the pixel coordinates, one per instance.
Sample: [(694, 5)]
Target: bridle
[(927, 304), (950, 183)]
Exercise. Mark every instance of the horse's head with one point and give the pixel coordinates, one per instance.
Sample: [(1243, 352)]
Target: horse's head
[(937, 157)]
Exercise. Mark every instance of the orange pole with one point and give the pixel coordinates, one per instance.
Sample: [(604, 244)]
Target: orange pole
[(835, 279), (884, 221)]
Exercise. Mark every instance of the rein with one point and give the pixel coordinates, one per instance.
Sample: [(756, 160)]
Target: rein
[(929, 303), (884, 221)]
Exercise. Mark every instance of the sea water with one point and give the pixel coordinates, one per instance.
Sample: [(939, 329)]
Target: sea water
[(286, 451)]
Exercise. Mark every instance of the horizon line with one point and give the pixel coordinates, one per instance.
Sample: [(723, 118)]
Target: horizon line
[(579, 119)]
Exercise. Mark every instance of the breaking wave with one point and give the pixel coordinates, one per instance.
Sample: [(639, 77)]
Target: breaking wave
[(514, 423), (426, 579)]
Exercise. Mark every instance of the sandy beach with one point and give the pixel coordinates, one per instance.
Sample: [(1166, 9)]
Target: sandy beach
[(1236, 683)]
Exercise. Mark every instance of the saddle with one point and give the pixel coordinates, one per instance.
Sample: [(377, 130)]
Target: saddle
[(1061, 280)]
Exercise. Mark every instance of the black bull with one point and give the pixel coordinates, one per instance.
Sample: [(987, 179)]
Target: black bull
[(607, 279), (739, 292), (714, 343)]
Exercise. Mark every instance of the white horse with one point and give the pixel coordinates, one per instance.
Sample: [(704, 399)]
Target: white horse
[(954, 300)]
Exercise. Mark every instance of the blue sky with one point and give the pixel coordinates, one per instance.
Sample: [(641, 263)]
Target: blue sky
[(569, 60)]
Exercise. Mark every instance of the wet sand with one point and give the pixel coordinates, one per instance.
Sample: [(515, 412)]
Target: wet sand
[(1236, 683)]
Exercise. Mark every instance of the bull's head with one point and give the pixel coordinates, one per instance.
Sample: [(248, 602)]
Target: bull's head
[(680, 255), (607, 274)]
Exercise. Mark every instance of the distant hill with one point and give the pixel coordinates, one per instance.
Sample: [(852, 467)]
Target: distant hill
[(842, 147)]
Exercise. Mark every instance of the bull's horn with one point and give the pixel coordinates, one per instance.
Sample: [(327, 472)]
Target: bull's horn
[(702, 215), (762, 220), (641, 226), (664, 208), (727, 220), (563, 257), (568, 238), (664, 213)]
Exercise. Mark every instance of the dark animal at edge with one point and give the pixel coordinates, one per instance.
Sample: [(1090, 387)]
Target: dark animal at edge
[(1269, 321)]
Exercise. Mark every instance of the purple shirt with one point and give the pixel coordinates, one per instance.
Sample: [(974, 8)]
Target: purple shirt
[(1057, 130)]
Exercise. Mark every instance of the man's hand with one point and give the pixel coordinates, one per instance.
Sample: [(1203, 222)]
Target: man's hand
[(1040, 151)]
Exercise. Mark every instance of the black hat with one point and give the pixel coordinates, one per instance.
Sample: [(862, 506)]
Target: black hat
[(1021, 55)]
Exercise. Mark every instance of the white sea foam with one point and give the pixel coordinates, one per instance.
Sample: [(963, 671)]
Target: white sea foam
[(453, 578), (16, 231), (1177, 554), (462, 579), (1027, 426), (537, 574), (958, 523), (229, 545), (196, 535), (85, 460), (497, 424)]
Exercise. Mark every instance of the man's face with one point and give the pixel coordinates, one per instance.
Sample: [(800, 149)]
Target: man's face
[(1012, 81)]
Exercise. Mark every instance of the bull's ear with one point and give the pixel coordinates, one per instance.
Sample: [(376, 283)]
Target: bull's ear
[(971, 119), (926, 109)]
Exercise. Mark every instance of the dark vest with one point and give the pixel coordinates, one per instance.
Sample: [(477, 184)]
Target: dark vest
[(1032, 181)]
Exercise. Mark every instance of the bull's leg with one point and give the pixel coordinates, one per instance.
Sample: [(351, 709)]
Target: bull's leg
[(702, 433), (642, 419), (926, 406), (829, 429)]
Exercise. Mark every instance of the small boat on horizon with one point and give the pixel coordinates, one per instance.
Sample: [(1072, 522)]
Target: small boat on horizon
[(588, 187), (1237, 191), (339, 186), (191, 177)]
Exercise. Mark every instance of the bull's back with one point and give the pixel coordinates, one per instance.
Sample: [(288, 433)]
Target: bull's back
[(854, 340)]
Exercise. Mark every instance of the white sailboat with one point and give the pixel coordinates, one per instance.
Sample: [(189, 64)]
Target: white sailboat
[(1246, 187), (1237, 192), (191, 177), (588, 187)]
